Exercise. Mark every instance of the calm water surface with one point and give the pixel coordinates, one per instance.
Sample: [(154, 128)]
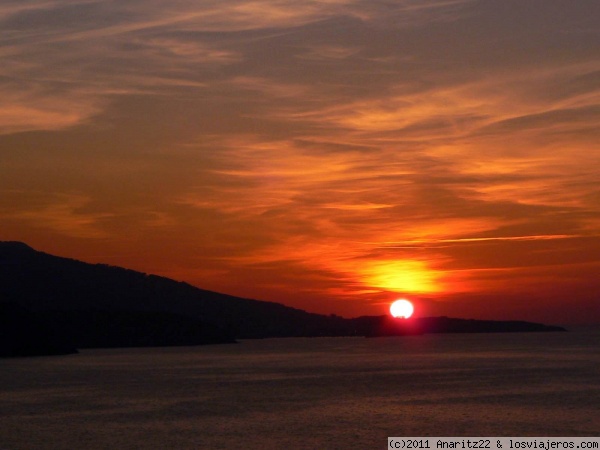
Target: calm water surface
[(305, 393)]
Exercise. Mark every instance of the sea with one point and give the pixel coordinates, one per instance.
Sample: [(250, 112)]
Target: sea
[(304, 393)]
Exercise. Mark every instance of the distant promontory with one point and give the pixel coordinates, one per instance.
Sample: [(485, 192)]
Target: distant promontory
[(55, 305)]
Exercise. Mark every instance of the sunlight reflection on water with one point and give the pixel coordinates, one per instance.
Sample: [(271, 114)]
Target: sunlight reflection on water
[(305, 393)]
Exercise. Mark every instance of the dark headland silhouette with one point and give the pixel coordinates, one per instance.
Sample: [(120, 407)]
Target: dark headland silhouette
[(55, 305)]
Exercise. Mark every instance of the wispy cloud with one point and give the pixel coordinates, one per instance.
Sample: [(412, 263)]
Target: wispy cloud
[(60, 213), (436, 242)]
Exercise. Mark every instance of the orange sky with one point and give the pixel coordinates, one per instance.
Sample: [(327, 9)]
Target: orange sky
[(330, 155)]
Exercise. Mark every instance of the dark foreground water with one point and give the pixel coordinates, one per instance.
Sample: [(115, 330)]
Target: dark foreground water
[(320, 393)]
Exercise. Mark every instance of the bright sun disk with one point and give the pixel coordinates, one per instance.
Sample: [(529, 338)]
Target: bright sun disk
[(402, 309)]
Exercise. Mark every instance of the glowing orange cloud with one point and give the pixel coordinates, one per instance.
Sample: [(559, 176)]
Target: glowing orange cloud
[(401, 276)]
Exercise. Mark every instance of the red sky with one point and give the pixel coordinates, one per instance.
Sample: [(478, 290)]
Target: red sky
[(331, 155)]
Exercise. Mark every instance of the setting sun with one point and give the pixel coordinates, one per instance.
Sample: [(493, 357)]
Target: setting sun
[(402, 309)]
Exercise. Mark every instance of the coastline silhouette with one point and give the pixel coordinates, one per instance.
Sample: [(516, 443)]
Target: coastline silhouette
[(82, 305)]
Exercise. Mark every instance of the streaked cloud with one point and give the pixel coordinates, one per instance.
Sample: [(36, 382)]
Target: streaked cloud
[(63, 214)]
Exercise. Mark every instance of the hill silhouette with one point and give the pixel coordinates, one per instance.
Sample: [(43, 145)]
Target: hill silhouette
[(97, 305), (23, 333), (42, 282)]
